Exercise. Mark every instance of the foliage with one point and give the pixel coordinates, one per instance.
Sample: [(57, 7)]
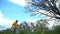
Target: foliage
[(45, 7), (56, 30), (48, 8)]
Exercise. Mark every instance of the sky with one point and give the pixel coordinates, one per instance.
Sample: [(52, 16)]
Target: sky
[(11, 10)]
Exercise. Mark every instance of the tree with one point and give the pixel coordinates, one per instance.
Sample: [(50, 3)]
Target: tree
[(25, 25), (42, 25), (33, 27), (50, 8), (56, 29)]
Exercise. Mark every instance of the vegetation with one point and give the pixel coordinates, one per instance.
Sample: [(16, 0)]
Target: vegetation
[(55, 31), (48, 7), (40, 28)]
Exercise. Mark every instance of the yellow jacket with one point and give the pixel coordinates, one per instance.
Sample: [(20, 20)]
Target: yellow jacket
[(15, 25)]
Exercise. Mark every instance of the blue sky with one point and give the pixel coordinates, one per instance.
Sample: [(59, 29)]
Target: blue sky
[(14, 11), (11, 10)]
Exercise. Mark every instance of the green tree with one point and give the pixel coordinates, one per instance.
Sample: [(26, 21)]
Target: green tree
[(42, 25), (56, 29)]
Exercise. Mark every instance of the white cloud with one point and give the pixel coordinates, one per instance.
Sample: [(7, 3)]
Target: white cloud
[(18, 2), (5, 22), (50, 24)]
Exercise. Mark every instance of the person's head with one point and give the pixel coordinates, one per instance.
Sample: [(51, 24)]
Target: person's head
[(16, 20)]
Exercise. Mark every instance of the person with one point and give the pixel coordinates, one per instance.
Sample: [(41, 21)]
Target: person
[(15, 26)]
